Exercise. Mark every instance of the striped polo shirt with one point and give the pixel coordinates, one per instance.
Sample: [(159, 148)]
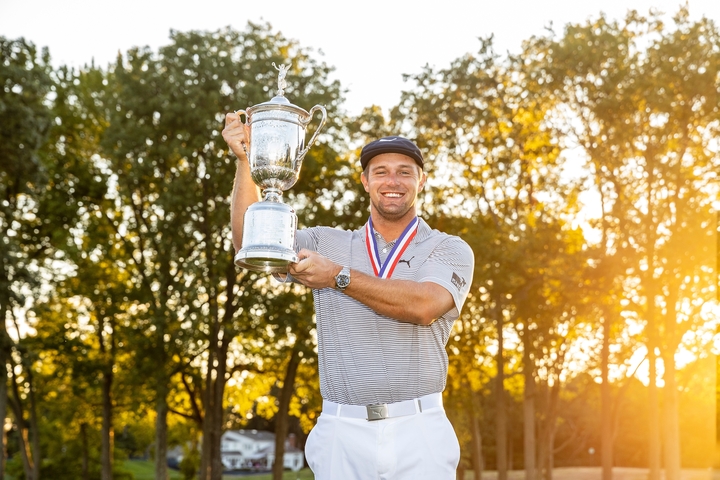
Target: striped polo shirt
[(367, 358)]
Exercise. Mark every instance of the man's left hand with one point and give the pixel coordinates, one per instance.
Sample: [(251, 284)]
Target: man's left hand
[(314, 270)]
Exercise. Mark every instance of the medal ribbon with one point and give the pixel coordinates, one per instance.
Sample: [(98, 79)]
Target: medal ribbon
[(385, 270)]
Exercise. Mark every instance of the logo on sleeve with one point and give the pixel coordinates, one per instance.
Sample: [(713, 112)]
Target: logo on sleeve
[(458, 281)]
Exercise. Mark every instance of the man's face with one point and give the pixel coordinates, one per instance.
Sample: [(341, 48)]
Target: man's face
[(393, 181)]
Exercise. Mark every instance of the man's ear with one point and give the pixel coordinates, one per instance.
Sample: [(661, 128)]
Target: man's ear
[(364, 180)]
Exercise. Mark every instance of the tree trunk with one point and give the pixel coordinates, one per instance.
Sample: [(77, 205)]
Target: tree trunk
[(510, 453), (653, 401), (34, 426), (529, 453), (500, 406), (671, 406), (672, 423), (654, 446), (85, 452), (208, 397), (551, 454), (477, 454), (546, 432), (24, 441), (161, 412), (23, 435), (29, 437), (107, 427), (208, 433), (606, 440), (218, 416), (5, 359), (281, 418), (3, 404), (211, 467), (543, 445)]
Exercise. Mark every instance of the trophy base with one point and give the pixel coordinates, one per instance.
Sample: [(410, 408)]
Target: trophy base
[(268, 238), (264, 258)]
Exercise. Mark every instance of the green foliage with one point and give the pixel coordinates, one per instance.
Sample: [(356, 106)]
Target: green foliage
[(190, 464), (169, 212), (25, 82)]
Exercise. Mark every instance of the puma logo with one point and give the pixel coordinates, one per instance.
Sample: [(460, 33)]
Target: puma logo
[(377, 412), (407, 261)]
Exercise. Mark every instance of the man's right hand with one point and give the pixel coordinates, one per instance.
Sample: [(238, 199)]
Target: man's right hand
[(236, 135)]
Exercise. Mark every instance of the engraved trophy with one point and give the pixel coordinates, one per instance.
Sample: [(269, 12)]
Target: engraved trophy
[(275, 153)]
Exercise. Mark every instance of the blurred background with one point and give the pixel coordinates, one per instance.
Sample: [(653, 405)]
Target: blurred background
[(575, 148)]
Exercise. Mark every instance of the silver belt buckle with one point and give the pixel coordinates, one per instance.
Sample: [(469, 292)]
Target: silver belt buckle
[(378, 411)]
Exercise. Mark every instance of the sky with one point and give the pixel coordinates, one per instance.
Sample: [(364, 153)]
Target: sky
[(371, 44)]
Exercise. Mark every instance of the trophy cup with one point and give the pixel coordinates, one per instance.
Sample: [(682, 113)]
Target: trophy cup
[(276, 151)]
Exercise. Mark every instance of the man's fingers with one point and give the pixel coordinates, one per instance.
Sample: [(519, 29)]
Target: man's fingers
[(231, 117), (300, 266)]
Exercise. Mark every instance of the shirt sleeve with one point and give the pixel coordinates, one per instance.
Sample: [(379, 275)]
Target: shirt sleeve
[(450, 265)]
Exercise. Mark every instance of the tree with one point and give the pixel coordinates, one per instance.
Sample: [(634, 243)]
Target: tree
[(44, 182), (25, 117), (641, 115), (488, 123), (164, 147)]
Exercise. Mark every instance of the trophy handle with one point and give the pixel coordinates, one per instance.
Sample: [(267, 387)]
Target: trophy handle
[(244, 145), (314, 137)]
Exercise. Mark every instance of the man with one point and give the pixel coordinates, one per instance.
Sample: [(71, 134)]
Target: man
[(386, 296)]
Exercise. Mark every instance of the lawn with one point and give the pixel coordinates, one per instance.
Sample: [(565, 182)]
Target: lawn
[(304, 474), (595, 473), (145, 470)]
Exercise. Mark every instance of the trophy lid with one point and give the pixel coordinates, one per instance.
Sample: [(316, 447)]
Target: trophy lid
[(279, 102)]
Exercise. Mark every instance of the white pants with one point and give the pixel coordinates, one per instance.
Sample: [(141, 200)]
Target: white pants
[(413, 447)]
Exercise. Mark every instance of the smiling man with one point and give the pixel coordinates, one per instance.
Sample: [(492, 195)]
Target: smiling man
[(386, 296)]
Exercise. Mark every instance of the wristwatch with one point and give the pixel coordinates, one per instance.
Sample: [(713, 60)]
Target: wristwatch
[(342, 279)]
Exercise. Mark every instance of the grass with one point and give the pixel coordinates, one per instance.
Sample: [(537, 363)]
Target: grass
[(304, 474), (145, 470), (595, 473)]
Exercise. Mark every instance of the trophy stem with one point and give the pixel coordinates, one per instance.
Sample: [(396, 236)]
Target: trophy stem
[(272, 195)]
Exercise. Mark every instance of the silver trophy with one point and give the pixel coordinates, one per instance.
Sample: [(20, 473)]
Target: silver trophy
[(276, 151)]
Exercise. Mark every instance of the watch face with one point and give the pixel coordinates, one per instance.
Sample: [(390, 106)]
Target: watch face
[(342, 280)]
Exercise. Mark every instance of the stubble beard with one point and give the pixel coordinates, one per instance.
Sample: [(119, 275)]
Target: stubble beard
[(394, 214)]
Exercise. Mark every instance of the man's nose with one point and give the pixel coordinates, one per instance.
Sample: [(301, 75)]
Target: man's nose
[(392, 179)]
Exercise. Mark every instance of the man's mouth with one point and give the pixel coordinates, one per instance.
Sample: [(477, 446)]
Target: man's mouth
[(392, 194)]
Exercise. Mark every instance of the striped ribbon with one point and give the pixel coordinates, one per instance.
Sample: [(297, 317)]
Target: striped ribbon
[(385, 270)]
